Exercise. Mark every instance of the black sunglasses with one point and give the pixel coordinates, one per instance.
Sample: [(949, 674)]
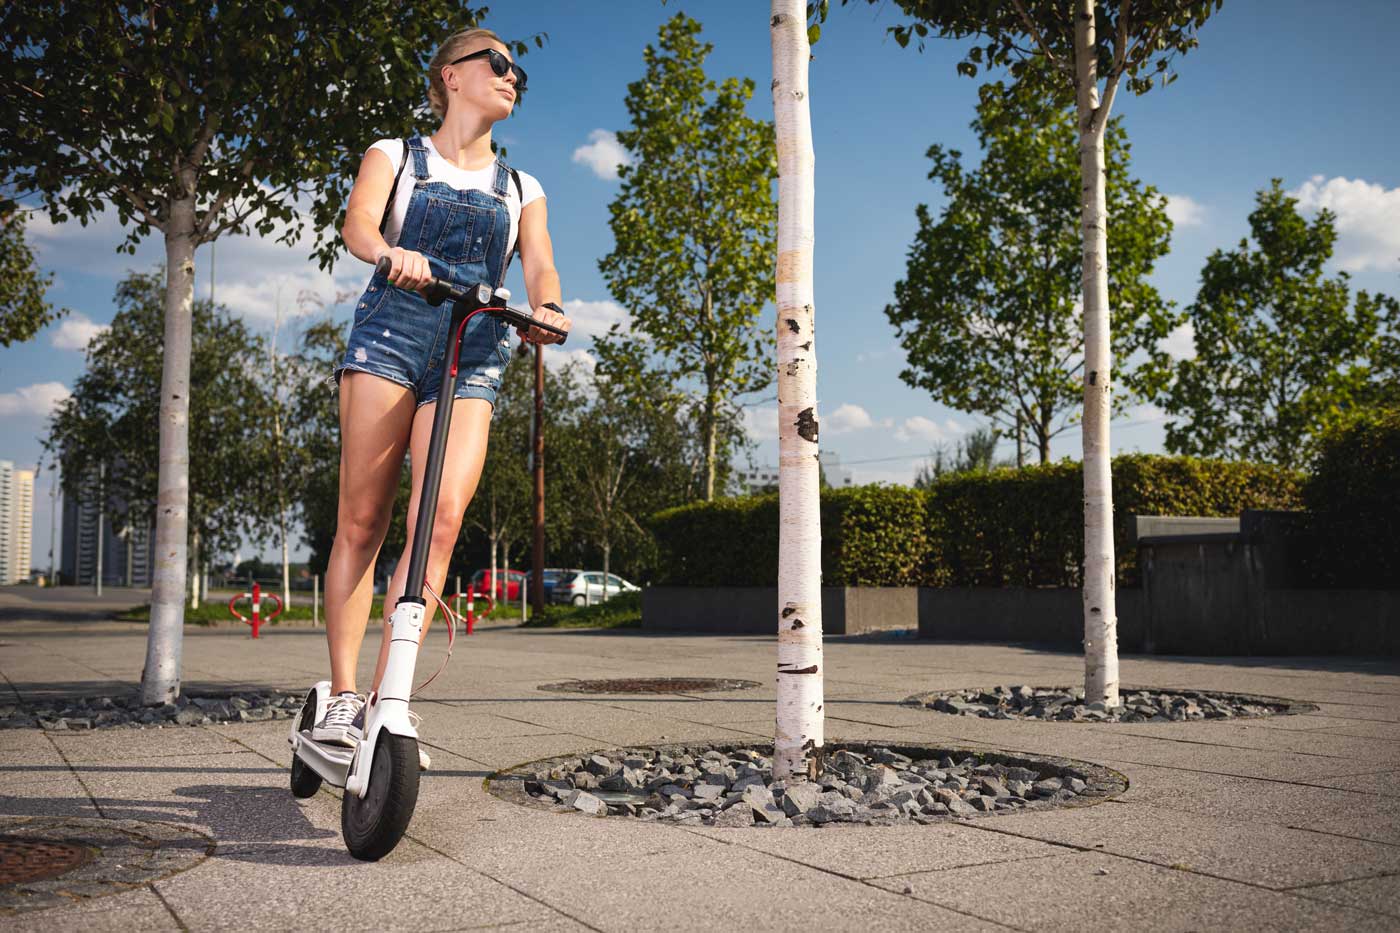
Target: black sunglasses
[(499, 66)]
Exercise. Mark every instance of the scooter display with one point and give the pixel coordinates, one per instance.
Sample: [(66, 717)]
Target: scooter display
[(380, 775)]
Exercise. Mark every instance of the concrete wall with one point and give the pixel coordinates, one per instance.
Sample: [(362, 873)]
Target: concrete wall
[(753, 610), (1050, 615)]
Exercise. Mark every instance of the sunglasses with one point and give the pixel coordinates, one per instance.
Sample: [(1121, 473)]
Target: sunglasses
[(499, 66)]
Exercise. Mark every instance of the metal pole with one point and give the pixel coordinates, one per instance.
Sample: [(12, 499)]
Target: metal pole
[(315, 600), (457, 597), (101, 510), (53, 509), (537, 561)]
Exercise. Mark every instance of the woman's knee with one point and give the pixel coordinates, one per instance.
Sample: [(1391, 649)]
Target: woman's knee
[(362, 529)]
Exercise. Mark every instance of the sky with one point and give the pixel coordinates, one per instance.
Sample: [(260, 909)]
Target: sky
[(1269, 93)]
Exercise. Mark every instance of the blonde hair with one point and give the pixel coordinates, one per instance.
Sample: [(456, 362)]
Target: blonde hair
[(450, 49)]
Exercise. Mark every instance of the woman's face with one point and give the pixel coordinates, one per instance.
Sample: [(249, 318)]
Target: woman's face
[(474, 84)]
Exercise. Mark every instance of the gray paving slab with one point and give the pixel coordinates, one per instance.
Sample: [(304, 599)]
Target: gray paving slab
[(1263, 854), (140, 909), (1089, 891), (1222, 805), (1380, 894)]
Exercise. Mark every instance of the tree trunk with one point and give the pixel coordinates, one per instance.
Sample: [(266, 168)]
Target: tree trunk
[(194, 569), (1100, 613), (160, 681), (607, 565), (709, 429), (797, 746), (1020, 440)]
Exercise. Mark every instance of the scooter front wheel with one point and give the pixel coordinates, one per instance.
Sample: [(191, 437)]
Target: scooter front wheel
[(373, 825), (305, 782)]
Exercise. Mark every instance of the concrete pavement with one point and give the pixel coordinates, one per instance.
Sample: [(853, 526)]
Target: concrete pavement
[(1285, 823)]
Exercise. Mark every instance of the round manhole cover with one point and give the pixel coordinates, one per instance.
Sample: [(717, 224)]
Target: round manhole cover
[(37, 859), (651, 685), (49, 862)]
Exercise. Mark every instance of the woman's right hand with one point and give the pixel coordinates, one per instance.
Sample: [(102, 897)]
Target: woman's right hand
[(408, 270)]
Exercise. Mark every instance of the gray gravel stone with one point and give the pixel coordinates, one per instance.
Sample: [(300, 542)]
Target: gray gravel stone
[(1067, 705)]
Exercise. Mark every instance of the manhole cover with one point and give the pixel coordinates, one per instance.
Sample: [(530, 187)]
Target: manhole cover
[(651, 685), (48, 862), (33, 859)]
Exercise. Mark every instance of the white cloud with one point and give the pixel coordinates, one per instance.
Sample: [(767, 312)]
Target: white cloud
[(761, 424), (919, 428), (1368, 219), (847, 417), (1184, 211), (558, 358), (33, 401), (603, 154), (593, 318), (1181, 342), (76, 331)]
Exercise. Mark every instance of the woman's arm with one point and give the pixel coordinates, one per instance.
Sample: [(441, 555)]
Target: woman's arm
[(365, 209), (537, 264)]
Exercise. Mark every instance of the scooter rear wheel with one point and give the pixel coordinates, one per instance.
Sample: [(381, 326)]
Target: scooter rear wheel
[(305, 781), (374, 824)]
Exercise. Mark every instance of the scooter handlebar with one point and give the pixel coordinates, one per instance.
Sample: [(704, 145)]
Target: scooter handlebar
[(438, 291)]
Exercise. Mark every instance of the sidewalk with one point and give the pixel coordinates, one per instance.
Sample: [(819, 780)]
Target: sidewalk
[(1284, 823)]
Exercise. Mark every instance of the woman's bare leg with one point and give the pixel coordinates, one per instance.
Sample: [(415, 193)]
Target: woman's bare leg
[(376, 418), (461, 470)]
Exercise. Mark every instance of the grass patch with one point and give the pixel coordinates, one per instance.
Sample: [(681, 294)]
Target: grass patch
[(622, 611), (215, 612)]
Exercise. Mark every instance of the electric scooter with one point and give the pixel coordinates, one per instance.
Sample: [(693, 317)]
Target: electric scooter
[(380, 775)]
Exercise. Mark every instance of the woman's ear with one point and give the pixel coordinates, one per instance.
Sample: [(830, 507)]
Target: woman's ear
[(449, 77)]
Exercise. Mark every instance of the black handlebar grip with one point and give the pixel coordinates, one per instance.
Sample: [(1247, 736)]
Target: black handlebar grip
[(383, 264)]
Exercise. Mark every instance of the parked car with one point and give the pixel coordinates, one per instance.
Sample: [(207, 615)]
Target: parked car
[(551, 578), (507, 584), (585, 587)]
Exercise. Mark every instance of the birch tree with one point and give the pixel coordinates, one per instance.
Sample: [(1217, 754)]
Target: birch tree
[(195, 120), (800, 734), (1071, 46)]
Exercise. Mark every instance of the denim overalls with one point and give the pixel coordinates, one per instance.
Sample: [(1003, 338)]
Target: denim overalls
[(398, 335)]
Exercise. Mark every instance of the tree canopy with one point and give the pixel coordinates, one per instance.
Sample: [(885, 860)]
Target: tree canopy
[(23, 310), (988, 312), (694, 228), (1282, 351)]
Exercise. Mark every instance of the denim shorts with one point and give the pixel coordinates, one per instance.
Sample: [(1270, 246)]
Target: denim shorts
[(399, 336)]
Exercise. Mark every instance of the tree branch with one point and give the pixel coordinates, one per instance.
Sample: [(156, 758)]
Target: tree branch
[(131, 194)]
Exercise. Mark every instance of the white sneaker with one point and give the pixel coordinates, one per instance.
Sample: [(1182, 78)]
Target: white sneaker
[(343, 723)]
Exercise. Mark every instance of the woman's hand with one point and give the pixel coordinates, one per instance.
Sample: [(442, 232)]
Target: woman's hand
[(548, 315), (409, 270)]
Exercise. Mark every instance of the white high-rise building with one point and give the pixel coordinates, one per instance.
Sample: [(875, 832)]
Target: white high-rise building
[(16, 522)]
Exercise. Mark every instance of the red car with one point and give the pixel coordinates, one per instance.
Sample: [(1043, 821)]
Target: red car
[(506, 585)]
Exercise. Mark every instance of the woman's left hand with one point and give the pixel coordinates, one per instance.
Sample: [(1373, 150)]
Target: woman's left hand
[(549, 316)]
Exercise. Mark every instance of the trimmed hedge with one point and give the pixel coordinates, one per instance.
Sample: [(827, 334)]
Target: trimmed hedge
[(1353, 496), (871, 536), (1003, 528)]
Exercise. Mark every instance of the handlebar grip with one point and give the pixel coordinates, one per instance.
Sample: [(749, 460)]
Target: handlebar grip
[(438, 291)]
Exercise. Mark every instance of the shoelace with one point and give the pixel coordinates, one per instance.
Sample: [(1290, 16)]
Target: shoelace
[(342, 711)]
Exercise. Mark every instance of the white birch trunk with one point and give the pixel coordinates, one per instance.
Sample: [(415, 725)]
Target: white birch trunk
[(797, 746), (1100, 612), (160, 681)]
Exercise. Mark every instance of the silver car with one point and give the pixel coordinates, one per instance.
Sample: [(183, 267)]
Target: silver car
[(585, 587)]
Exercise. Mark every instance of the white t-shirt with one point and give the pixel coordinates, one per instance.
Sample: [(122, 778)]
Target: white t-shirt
[(439, 169)]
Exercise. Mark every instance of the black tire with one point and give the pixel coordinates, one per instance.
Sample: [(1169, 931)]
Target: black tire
[(373, 825), (305, 782)]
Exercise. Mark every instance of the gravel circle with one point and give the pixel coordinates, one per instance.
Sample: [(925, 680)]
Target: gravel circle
[(1139, 704), (70, 714), (864, 783)]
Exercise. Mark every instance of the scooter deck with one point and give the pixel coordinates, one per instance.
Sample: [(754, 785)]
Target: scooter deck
[(332, 762)]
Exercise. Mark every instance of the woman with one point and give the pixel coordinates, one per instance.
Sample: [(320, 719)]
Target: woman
[(457, 213)]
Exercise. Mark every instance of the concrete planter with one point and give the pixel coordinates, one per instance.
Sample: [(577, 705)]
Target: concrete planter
[(753, 610)]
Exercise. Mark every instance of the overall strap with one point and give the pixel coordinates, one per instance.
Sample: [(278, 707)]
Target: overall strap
[(498, 184), (420, 157), (389, 204)]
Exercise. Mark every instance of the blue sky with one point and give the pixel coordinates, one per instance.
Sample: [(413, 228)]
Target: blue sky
[(1274, 90)]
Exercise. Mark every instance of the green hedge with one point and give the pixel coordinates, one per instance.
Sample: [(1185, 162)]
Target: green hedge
[(1003, 528), (1026, 527), (871, 536), (1353, 496)]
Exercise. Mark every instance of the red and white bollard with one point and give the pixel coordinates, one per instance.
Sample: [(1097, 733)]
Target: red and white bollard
[(470, 618), (257, 598)]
